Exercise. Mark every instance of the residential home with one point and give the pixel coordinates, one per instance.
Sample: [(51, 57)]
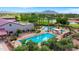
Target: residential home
[(73, 20), (11, 26)]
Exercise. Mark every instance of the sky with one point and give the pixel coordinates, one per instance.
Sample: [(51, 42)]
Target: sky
[(40, 9)]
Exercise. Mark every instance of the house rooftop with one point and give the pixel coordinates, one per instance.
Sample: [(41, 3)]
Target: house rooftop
[(22, 23), (3, 32), (4, 21), (74, 20)]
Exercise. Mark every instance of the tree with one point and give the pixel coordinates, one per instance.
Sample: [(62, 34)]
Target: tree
[(32, 46), (63, 21), (65, 44), (48, 18), (21, 48), (17, 18), (23, 42), (51, 43), (27, 46), (44, 48), (18, 32), (71, 15), (58, 19), (25, 17)]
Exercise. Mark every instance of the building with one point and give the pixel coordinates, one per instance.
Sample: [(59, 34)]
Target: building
[(11, 26), (73, 20)]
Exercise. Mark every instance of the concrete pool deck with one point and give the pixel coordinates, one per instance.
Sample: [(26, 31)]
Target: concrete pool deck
[(3, 46), (27, 35), (31, 34)]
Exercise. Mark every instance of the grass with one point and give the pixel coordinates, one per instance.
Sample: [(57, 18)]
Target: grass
[(8, 15), (45, 22), (74, 25)]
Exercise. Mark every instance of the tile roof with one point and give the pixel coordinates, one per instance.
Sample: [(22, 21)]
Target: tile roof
[(4, 21), (74, 21), (3, 32)]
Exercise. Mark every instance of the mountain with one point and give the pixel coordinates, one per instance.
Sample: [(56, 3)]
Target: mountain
[(49, 12), (43, 12)]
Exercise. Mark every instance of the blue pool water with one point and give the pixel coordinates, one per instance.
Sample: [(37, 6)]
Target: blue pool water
[(46, 28), (41, 38), (73, 23)]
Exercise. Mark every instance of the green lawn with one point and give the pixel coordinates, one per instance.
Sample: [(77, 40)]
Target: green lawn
[(45, 22), (8, 15), (74, 25)]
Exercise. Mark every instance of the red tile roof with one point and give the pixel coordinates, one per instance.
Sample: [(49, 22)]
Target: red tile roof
[(4, 21), (74, 20), (3, 32)]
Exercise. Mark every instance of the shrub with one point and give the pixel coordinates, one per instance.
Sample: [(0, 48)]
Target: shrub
[(38, 31), (18, 32), (44, 48), (77, 46), (21, 48)]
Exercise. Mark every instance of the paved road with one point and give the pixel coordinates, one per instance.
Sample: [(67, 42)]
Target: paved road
[(3, 46)]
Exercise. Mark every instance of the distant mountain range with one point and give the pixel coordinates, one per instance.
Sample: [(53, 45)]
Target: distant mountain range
[(42, 12), (48, 12)]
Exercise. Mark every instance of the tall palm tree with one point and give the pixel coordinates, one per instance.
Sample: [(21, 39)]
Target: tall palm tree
[(48, 18)]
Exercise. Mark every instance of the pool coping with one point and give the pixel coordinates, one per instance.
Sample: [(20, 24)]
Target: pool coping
[(37, 35)]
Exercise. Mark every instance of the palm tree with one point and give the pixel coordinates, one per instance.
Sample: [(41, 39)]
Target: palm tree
[(41, 18), (48, 18), (24, 17)]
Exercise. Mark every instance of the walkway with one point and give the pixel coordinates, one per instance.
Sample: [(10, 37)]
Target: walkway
[(3, 46)]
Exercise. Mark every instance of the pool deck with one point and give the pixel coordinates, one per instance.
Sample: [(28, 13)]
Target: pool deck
[(31, 34), (27, 35), (3, 46)]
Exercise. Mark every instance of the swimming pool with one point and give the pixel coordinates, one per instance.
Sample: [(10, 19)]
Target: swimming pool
[(42, 37), (46, 28), (73, 23)]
